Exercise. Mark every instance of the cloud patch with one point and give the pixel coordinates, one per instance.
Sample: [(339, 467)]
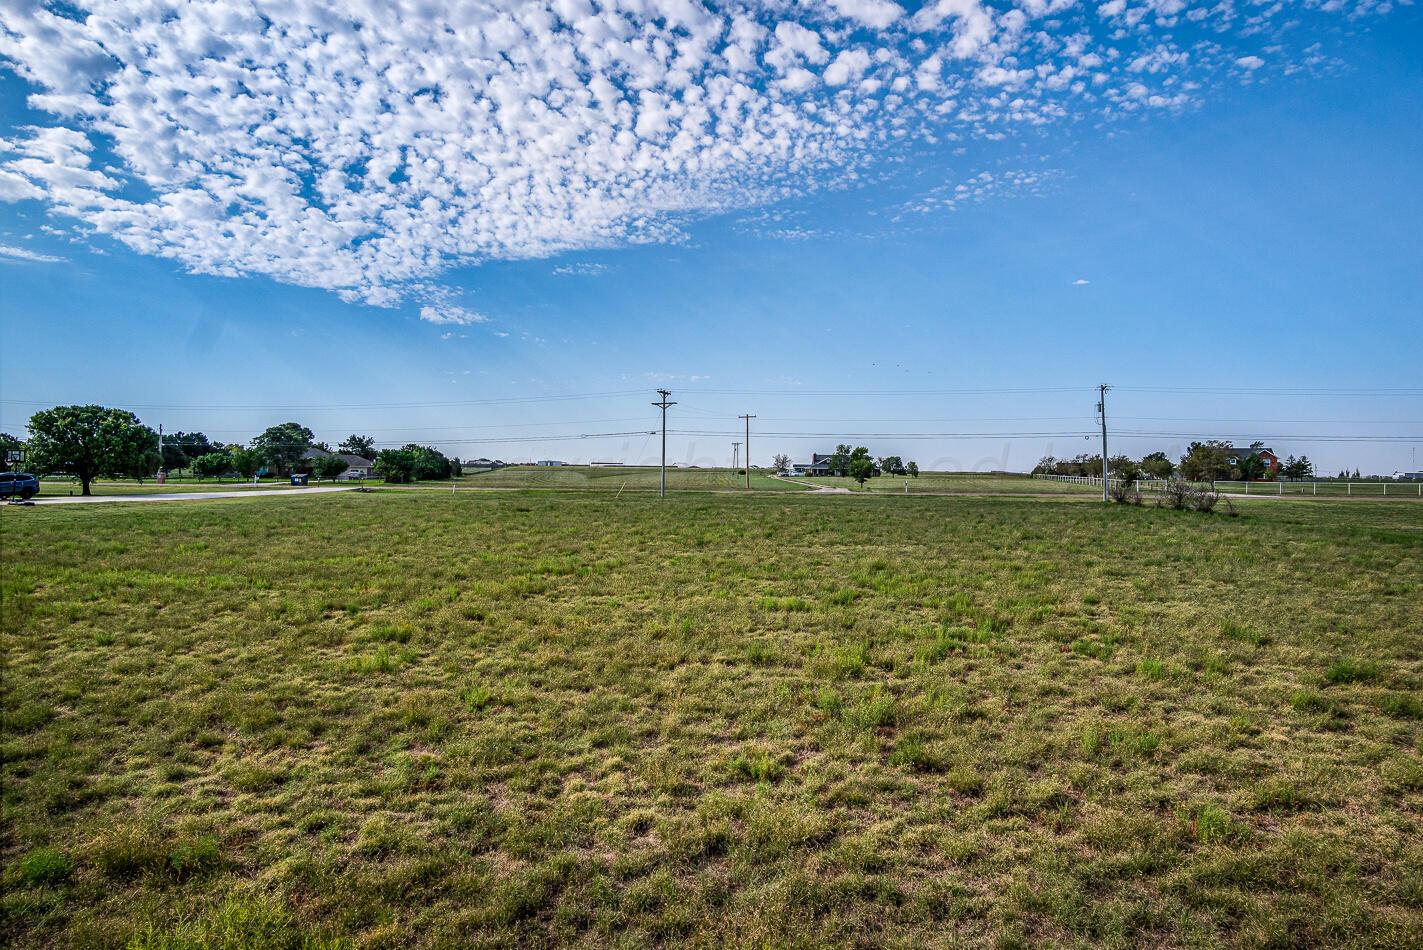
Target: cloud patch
[(8, 252), (337, 146)]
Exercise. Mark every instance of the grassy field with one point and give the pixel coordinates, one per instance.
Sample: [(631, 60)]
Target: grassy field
[(949, 483), (522, 719), (57, 486), (622, 478)]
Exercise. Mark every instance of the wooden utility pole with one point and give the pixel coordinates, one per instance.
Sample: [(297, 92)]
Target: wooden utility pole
[(748, 419), (663, 406), (1102, 408)]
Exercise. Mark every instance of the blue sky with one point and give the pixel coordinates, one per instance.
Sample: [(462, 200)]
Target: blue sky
[(1225, 227)]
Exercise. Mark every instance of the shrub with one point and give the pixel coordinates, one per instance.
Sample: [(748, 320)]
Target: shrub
[(1122, 492)]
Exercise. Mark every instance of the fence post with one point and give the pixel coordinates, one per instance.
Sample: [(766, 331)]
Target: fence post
[(1348, 488), (1385, 489)]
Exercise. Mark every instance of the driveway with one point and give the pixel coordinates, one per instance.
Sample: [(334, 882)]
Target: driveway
[(195, 495)]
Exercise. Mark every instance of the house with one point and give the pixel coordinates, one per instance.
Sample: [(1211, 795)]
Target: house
[(823, 465), (484, 463), (1234, 456), (548, 463), (357, 467)]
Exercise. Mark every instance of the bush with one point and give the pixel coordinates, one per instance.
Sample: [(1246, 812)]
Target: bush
[(1123, 492)]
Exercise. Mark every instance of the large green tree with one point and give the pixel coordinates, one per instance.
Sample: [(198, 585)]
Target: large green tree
[(411, 463), (861, 469), (212, 464), (1206, 461), (330, 466), (246, 462), (1157, 465), (362, 445), (282, 446), (91, 441)]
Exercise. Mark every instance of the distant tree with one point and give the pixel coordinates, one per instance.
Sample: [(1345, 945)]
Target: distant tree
[(212, 465), (913, 469), (891, 465), (1123, 467), (861, 469), (411, 463), (1300, 467), (247, 462), (1047, 465), (839, 463), (8, 444), (1251, 468), (1206, 461), (782, 463), (282, 446), (362, 445), (1356, 473), (329, 466), (1158, 465), (456, 468), (90, 441)]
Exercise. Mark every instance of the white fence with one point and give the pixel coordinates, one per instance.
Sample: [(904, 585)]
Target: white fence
[(1368, 488)]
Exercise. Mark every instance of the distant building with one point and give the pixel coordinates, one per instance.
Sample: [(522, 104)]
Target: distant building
[(1234, 456), (484, 463), (606, 464), (548, 463), (824, 465)]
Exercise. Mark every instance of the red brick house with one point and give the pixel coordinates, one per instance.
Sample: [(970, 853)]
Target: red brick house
[(1235, 456)]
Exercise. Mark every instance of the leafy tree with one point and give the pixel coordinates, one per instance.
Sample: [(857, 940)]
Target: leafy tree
[(174, 458), (212, 464), (913, 469), (892, 465), (282, 446), (1206, 461), (1157, 465), (1300, 467), (362, 445), (1047, 465), (90, 441), (247, 462), (456, 468), (412, 463), (1252, 468), (839, 463), (861, 469), (1123, 467), (8, 444), (330, 466), (782, 463)]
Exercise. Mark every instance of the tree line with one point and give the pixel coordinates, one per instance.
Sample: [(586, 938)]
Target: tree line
[(1206, 461), (89, 442)]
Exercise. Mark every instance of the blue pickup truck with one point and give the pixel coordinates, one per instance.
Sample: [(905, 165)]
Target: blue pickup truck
[(19, 483)]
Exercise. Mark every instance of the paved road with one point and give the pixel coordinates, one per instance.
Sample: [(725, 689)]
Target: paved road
[(195, 495)]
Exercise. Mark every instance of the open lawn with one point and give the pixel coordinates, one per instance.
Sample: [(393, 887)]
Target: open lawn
[(949, 483), (621, 478), (517, 719)]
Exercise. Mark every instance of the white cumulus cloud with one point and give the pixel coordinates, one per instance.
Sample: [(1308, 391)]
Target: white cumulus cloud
[(364, 148), (8, 252)]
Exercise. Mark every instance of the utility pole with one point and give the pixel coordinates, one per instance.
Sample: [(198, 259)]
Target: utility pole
[(1102, 410), (664, 393), (735, 456), (748, 419)]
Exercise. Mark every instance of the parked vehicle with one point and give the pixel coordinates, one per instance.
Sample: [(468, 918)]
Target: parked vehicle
[(19, 483)]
